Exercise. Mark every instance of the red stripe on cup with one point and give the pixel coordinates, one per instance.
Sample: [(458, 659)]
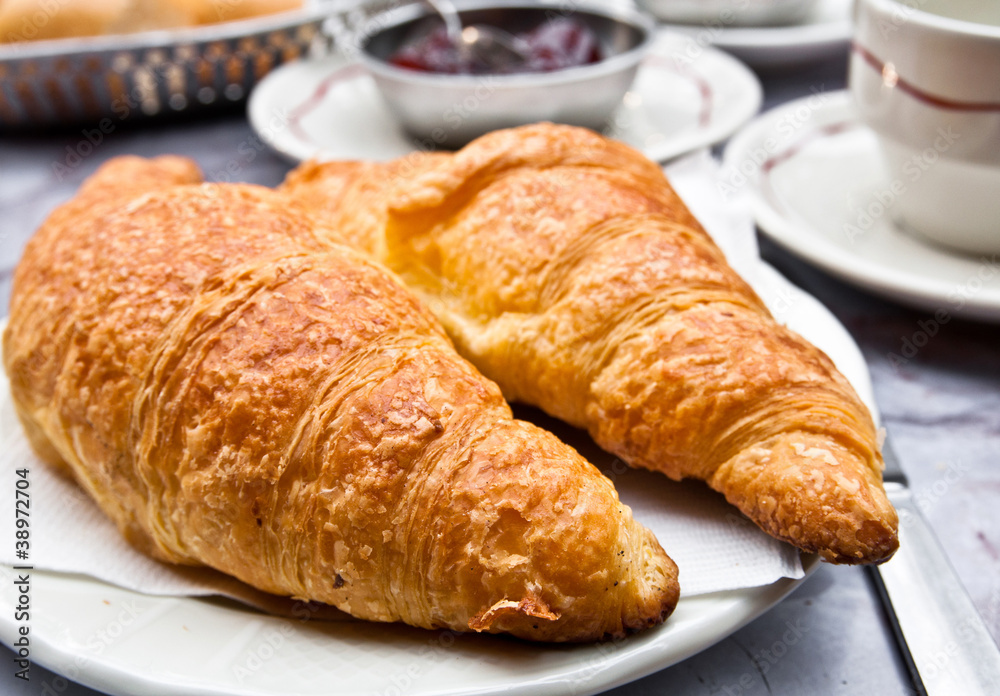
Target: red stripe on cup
[(919, 94)]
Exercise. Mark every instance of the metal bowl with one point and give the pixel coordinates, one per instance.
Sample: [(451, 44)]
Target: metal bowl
[(730, 12), (450, 110)]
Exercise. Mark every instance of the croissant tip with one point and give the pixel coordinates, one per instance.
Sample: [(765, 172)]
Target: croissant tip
[(662, 589), (669, 597), (875, 543)]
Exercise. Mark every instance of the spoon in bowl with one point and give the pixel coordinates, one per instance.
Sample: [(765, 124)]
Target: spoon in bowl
[(497, 49)]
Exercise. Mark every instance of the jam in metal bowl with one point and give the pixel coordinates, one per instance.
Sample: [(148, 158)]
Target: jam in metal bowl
[(557, 44), (445, 105)]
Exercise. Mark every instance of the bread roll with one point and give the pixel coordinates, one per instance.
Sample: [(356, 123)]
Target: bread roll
[(37, 20), (215, 11)]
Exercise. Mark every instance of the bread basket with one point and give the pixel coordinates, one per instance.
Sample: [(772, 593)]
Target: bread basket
[(109, 79)]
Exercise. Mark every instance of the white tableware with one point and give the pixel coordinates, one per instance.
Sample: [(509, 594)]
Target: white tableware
[(819, 188), (734, 12), (926, 79), (685, 96), (822, 34), (450, 110), (127, 643)]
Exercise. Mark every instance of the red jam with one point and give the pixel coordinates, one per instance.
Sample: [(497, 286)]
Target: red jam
[(557, 44)]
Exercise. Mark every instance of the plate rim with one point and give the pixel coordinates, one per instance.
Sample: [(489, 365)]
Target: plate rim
[(776, 45), (262, 100), (115, 679)]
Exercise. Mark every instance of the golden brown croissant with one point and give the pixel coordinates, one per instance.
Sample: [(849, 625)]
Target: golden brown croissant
[(235, 390), (564, 266)]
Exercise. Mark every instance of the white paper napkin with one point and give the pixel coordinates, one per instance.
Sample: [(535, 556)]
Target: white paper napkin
[(715, 547)]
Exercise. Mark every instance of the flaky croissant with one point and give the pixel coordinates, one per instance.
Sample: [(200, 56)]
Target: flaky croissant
[(235, 389), (564, 266)]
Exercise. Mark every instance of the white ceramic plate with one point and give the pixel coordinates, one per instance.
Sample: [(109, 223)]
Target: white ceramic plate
[(127, 643), (685, 96), (820, 189), (826, 32)]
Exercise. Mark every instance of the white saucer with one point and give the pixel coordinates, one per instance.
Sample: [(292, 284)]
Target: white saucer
[(825, 32), (819, 188), (685, 96)]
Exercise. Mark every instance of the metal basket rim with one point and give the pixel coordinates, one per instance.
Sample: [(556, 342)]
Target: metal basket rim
[(148, 40)]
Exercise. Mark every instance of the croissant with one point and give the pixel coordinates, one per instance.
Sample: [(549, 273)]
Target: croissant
[(565, 267), (235, 389)]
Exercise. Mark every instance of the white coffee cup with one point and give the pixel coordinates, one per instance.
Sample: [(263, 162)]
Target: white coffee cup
[(925, 75)]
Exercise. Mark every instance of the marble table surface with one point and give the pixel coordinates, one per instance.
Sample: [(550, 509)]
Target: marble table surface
[(941, 409)]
